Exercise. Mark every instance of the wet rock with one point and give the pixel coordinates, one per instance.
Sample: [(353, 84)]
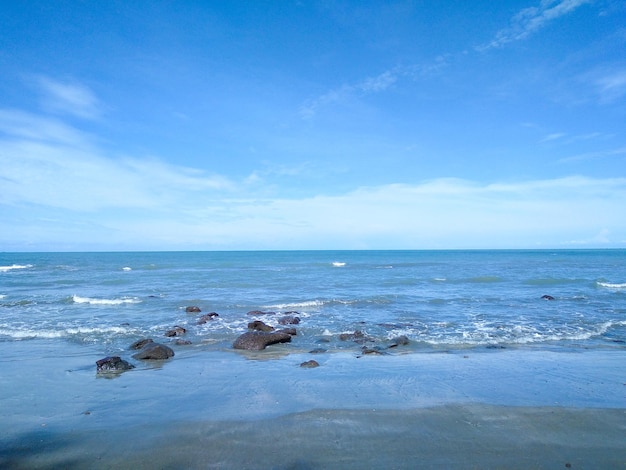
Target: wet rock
[(289, 320), (259, 312), (207, 317), (310, 364), (193, 309), (154, 351), (357, 337), (375, 351), (112, 364), (176, 331), (259, 340), (289, 331), (182, 342), (547, 297), (318, 351), (399, 341), (141, 343), (258, 325)]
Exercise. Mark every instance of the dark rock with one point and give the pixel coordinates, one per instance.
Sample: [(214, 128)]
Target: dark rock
[(366, 350), (318, 351), (176, 331), (258, 325), (193, 309), (182, 342), (357, 337), (399, 341), (289, 320), (113, 364), (154, 351), (310, 364), (547, 297), (258, 340), (141, 343), (289, 331), (207, 317), (259, 312)]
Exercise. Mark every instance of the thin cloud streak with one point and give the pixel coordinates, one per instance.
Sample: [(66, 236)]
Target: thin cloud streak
[(530, 20), (69, 98)]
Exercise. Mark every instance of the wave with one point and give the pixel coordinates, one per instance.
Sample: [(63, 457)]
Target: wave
[(4, 269), (127, 268), (610, 285), (31, 333), (92, 301), (338, 264)]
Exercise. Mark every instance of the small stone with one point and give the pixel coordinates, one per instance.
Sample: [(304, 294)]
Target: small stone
[(176, 331), (140, 343), (310, 364), (547, 297), (207, 317), (154, 351), (112, 364), (258, 325), (193, 309)]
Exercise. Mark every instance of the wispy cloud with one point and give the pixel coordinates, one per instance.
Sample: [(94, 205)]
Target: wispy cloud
[(68, 98), (47, 163), (371, 85), (530, 20), (593, 155), (612, 85)]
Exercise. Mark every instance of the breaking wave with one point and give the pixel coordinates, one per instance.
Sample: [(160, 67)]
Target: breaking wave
[(92, 301)]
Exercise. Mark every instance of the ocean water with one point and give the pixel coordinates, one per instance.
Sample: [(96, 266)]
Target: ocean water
[(438, 300), (487, 358)]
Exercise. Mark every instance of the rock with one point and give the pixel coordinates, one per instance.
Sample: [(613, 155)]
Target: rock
[(176, 331), (113, 364), (259, 340), (399, 341), (310, 364), (193, 309), (289, 331), (366, 350), (154, 351), (207, 317), (141, 343), (357, 337), (182, 342), (318, 351), (258, 325), (259, 312), (547, 297), (289, 320)]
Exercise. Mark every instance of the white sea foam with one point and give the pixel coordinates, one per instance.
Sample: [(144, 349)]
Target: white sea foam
[(294, 305), (30, 333), (88, 300), (3, 296), (338, 264), (610, 285), (4, 269), (127, 268)]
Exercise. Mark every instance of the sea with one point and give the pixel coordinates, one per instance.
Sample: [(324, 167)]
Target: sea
[(344, 300)]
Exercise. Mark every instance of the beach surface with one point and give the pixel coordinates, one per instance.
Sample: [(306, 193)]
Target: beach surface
[(513, 408)]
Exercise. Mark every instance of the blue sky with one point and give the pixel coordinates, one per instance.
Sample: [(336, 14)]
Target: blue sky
[(153, 125)]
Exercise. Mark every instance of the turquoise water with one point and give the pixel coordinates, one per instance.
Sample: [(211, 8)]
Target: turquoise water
[(437, 299)]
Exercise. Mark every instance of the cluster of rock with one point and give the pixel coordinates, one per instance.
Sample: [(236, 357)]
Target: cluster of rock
[(259, 336)]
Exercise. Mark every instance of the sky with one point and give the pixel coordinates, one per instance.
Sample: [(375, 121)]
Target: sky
[(285, 125)]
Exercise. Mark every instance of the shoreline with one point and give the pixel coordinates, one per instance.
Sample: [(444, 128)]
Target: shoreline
[(208, 409)]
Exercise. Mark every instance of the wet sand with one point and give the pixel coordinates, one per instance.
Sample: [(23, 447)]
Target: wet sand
[(470, 436), (464, 409)]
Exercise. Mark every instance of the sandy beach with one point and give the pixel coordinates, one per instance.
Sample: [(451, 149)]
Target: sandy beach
[(455, 409)]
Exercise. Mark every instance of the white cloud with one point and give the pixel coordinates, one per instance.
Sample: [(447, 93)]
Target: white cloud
[(530, 20), (612, 85), (69, 98), (44, 162)]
